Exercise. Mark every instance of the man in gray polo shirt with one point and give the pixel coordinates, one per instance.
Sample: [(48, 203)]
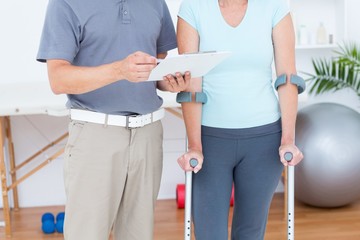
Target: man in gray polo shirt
[(99, 53)]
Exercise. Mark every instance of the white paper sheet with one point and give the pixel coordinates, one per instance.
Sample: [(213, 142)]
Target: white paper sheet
[(198, 64)]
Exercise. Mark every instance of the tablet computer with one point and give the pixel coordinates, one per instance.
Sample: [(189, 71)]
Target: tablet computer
[(198, 64)]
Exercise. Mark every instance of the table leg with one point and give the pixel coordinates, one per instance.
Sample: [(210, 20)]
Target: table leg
[(6, 207), (12, 161)]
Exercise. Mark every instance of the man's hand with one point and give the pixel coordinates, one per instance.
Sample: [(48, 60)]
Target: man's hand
[(136, 67)]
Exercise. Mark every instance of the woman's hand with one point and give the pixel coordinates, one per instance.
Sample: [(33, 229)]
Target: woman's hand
[(296, 153), (176, 83), (184, 160)]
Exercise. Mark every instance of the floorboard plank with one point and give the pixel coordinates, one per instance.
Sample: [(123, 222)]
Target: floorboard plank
[(310, 223)]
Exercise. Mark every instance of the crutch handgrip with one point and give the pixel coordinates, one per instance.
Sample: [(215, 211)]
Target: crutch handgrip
[(193, 162), (288, 156)]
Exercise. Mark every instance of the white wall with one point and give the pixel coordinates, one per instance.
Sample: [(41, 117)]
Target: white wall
[(32, 132), (353, 20), (346, 97)]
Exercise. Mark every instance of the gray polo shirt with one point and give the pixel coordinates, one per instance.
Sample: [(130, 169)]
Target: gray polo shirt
[(95, 32)]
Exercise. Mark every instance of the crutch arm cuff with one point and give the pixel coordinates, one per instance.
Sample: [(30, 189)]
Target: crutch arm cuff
[(294, 79), (200, 97)]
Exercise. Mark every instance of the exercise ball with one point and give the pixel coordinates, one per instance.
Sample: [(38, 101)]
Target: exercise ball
[(329, 136)]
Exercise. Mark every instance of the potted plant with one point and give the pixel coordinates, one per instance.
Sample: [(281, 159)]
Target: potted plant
[(339, 72)]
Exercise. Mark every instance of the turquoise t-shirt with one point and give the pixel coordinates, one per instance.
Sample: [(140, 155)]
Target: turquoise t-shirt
[(240, 91)]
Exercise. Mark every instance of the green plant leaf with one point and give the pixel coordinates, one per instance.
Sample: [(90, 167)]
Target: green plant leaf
[(339, 72)]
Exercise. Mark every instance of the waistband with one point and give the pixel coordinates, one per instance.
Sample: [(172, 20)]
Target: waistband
[(131, 121), (239, 133)]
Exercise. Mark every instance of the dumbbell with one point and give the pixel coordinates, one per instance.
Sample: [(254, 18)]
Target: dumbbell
[(48, 223), (60, 222)]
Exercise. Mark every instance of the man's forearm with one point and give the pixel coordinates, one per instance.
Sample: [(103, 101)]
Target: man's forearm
[(68, 79)]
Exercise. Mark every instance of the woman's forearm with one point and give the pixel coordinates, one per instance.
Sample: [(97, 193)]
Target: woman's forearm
[(192, 118), (288, 99)]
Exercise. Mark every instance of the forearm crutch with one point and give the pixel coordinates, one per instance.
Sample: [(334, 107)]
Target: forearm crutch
[(188, 190), (290, 197)]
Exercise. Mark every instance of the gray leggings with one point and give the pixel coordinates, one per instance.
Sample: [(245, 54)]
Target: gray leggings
[(249, 158)]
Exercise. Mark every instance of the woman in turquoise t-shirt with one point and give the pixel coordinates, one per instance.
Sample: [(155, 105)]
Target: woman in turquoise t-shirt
[(241, 134)]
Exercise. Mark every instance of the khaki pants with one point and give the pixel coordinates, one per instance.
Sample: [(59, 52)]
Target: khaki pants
[(112, 179)]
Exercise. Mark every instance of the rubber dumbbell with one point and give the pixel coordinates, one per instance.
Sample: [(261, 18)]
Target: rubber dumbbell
[(48, 223), (180, 196), (60, 222), (60, 216)]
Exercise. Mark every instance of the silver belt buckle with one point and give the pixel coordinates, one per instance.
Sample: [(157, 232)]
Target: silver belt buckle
[(137, 117)]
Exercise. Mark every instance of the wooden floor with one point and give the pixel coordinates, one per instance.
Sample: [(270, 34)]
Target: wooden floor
[(310, 223)]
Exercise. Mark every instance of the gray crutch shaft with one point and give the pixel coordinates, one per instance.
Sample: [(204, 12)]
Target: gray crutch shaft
[(188, 190), (290, 197)]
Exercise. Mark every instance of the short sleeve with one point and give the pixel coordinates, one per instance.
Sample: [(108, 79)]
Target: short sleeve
[(60, 37), (187, 12), (167, 38), (281, 9)]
